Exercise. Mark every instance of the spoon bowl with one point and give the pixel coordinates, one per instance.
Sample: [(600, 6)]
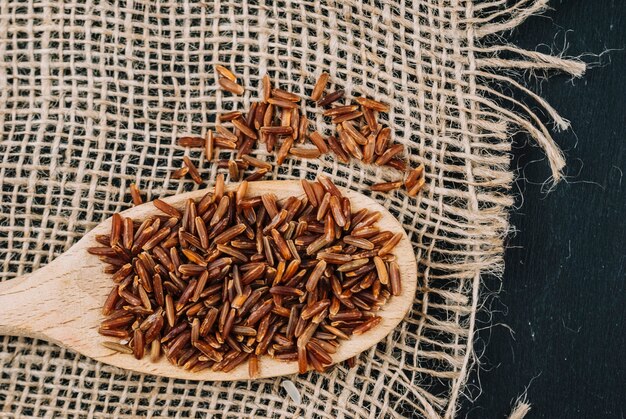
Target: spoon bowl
[(62, 302)]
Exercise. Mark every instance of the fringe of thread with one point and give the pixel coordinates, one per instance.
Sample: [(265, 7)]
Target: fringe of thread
[(488, 61), (520, 410), (513, 113)]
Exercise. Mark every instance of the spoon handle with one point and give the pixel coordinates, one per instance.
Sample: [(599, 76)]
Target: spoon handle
[(19, 305), (39, 304)]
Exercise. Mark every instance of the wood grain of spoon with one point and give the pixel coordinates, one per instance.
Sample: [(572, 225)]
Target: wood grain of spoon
[(62, 302)]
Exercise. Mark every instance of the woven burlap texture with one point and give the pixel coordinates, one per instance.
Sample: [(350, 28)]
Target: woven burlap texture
[(93, 95)]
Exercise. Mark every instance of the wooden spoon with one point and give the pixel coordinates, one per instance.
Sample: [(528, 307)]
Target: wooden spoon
[(62, 302)]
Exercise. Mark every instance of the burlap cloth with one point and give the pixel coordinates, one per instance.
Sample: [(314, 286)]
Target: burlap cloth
[(93, 95)]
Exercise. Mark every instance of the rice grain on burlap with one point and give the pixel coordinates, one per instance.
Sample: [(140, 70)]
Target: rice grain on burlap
[(93, 95)]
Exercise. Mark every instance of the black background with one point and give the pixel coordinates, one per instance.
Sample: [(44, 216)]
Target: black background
[(558, 326)]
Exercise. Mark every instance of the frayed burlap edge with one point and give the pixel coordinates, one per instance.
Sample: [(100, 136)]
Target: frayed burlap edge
[(518, 115)]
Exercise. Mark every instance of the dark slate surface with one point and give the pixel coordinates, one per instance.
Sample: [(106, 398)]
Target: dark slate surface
[(563, 294)]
